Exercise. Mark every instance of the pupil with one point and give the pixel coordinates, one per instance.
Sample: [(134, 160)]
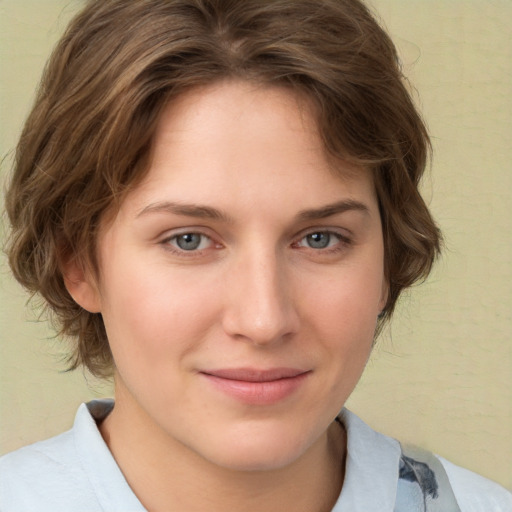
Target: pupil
[(189, 241), (318, 240)]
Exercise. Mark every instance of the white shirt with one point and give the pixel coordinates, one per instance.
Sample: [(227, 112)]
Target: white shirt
[(75, 472)]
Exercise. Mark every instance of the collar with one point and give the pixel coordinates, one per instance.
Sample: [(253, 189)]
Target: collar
[(371, 472), (102, 471)]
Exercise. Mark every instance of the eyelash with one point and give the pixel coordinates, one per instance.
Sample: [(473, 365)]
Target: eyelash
[(343, 242), (169, 246)]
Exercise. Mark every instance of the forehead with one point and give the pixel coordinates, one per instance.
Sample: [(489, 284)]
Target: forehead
[(229, 122), (239, 143), (242, 113)]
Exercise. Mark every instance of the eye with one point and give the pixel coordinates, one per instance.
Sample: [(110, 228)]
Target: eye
[(190, 241), (320, 240)]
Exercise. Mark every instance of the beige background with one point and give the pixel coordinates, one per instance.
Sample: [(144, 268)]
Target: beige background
[(441, 375)]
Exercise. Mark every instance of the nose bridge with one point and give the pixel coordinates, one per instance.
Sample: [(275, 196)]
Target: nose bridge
[(260, 306)]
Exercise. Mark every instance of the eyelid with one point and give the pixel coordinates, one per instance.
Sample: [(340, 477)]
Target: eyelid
[(344, 236), (343, 243), (343, 233), (169, 235), (184, 230)]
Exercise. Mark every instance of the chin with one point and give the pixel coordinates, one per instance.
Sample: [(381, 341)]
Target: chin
[(259, 451), (256, 460)]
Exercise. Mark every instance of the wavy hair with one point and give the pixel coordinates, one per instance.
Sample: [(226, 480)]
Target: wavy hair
[(87, 139)]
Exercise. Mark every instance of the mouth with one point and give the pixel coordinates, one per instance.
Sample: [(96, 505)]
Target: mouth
[(257, 387)]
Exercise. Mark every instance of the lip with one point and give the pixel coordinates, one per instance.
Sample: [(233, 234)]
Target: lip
[(257, 387)]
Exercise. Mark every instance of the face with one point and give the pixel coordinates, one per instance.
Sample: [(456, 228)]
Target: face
[(240, 283)]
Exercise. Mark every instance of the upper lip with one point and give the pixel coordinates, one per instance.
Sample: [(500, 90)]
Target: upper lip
[(255, 375)]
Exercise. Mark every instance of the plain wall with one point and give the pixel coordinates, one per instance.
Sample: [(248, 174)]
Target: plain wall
[(440, 376)]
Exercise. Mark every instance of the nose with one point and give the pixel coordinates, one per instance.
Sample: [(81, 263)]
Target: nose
[(259, 305)]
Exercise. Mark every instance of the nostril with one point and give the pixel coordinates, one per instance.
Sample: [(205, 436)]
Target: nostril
[(261, 324), (259, 307)]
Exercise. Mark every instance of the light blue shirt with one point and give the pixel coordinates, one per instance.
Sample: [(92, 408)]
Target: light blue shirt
[(75, 472)]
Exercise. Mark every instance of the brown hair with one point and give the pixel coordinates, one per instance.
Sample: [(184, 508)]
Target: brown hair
[(87, 139)]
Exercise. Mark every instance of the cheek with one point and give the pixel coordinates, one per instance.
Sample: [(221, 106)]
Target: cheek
[(350, 298), (149, 311), (342, 313)]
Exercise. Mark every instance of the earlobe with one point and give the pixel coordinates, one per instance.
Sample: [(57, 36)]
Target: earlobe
[(384, 295), (81, 286)]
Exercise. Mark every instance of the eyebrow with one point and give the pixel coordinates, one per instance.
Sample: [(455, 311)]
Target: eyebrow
[(188, 210), (333, 209), (207, 212)]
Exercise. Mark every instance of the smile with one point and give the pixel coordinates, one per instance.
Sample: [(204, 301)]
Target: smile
[(257, 387)]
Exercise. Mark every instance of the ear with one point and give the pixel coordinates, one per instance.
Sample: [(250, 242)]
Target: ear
[(384, 294), (81, 285)]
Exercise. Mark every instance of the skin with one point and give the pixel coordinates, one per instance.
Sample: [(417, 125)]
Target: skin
[(242, 166)]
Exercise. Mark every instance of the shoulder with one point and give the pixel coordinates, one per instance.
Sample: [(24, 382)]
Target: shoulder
[(446, 486), (74, 471), (44, 476), (475, 493), (397, 477)]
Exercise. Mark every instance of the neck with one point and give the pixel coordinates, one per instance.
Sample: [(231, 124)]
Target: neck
[(166, 475)]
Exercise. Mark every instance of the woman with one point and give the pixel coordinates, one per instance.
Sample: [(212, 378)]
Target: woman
[(219, 202)]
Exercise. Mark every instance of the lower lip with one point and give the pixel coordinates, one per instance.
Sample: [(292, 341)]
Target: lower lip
[(258, 393)]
